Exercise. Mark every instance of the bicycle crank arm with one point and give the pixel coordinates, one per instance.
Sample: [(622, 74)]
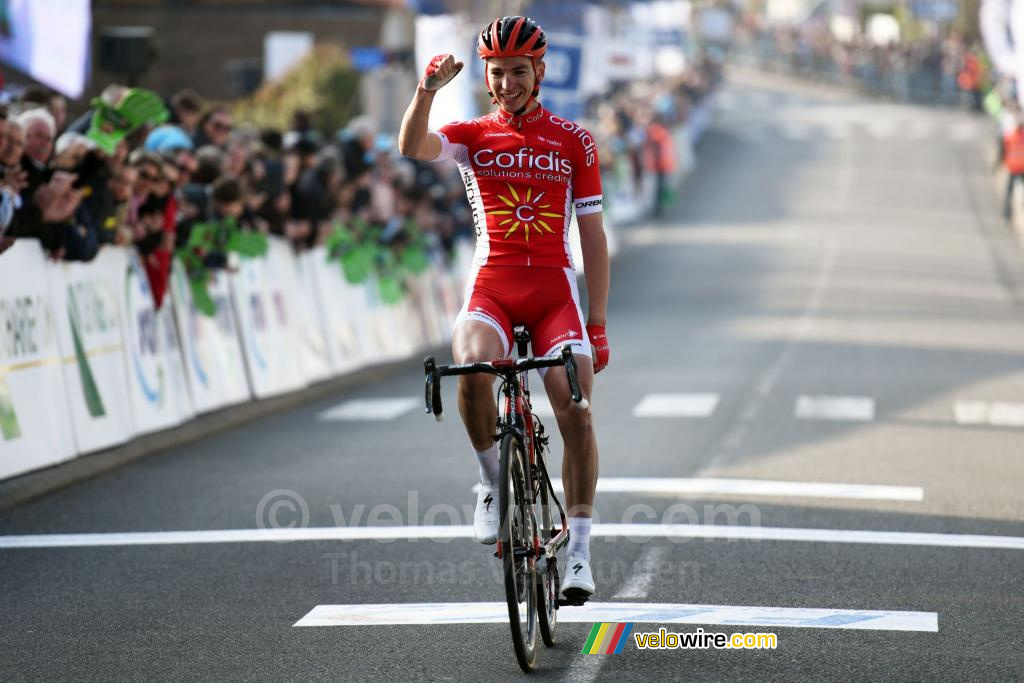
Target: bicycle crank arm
[(559, 541)]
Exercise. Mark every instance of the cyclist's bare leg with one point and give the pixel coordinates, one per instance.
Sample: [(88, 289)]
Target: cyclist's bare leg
[(579, 459), (472, 342)]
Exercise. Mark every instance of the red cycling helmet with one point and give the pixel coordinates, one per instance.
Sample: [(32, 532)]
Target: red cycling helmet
[(513, 36)]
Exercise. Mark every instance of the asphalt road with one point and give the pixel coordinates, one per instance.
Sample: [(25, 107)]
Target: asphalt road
[(835, 300)]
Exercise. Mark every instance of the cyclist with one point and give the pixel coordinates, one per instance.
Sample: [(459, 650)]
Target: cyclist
[(525, 171)]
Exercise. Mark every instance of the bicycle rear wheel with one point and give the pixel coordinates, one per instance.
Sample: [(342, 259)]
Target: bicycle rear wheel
[(516, 535), (547, 569)]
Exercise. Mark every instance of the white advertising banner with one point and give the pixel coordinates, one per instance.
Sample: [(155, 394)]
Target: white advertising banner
[(174, 361), (150, 389), (87, 304), (264, 311), (318, 357), (342, 308), (35, 427), (426, 304), (385, 342), (213, 358), (308, 342)]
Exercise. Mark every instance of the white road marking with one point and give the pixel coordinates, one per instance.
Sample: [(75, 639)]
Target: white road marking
[(996, 413), (759, 487), (845, 408), (637, 586), (676, 405), (443, 532), (751, 487), (643, 613), (370, 409)]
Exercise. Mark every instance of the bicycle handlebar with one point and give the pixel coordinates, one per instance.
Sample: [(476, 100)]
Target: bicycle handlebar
[(502, 368)]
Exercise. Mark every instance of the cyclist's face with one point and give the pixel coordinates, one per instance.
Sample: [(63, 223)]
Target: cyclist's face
[(512, 80)]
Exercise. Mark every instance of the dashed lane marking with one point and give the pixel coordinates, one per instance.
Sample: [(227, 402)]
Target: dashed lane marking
[(841, 408), (676, 405), (369, 409), (994, 413), (633, 612), (639, 584)]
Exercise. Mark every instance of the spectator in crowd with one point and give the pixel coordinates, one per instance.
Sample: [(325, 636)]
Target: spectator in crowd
[(39, 129), (357, 146), (53, 102), (186, 109), (214, 127)]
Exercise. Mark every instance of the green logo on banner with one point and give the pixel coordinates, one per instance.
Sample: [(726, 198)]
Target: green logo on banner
[(91, 392), (8, 419)]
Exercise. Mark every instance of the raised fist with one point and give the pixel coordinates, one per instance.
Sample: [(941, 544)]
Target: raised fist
[(441, 69)]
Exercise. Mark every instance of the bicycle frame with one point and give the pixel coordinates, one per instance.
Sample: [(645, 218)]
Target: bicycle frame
[(515, 417), (518, 419)]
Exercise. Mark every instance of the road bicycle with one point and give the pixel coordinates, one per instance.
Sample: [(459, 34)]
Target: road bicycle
[(528, 537)]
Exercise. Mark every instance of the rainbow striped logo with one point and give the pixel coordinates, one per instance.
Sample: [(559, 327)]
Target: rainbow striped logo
[(607, 639)]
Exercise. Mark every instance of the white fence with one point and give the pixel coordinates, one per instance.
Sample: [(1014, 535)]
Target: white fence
[(87, 362)]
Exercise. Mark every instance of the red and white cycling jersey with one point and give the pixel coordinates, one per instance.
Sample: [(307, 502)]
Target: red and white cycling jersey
[(523, 183)]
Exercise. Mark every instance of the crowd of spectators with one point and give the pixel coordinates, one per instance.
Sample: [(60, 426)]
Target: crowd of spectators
[(201, 166), (60, 187), (919, 70), (633, 126)]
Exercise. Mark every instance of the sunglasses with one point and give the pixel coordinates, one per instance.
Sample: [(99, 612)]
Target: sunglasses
[(221, 126), (150, 177)]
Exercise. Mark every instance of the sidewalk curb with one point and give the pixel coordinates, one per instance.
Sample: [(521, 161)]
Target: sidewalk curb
[(28, 487)]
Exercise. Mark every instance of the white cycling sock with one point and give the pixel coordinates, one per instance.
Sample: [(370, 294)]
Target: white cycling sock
[(579, 537), (488, 461)]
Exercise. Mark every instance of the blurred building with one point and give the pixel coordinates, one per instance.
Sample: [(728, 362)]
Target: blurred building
[(219, 47)]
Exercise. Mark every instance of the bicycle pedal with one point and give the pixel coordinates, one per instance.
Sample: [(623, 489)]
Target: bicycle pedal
[(571, 602), (574, 597)]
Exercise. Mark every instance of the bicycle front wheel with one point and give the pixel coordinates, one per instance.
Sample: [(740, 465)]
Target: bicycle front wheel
[(516, 534)]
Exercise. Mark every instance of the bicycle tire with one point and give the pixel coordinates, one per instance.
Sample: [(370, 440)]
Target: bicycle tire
[(547, 580), (516, 531)]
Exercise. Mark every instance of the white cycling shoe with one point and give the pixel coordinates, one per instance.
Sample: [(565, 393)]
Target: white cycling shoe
[(485, 518), (578, 584)]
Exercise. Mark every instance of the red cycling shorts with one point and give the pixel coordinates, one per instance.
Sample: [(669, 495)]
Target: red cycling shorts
[(545, 299)]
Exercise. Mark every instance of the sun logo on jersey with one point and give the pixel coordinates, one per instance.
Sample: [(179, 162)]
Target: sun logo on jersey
[(525, 211)]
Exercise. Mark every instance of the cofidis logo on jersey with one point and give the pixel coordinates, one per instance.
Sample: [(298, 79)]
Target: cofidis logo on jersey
[(582, 134), (525, 158), (525, 210)]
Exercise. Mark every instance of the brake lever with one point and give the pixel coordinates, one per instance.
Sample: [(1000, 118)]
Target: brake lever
[(574, 384), (432, 390)]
